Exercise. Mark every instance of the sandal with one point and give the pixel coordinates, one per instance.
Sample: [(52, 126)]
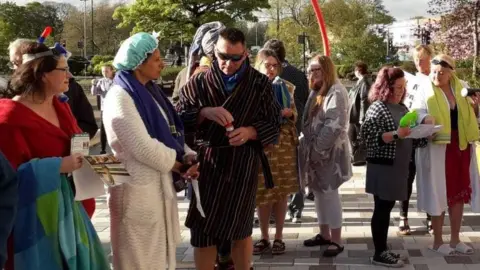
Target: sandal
[(403, 227), (261, 246), (464, 249), (444, 250), (278, 247), (317, 240), (333, 252)]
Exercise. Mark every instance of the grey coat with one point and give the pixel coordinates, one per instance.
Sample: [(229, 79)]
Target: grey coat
[(324, 155)]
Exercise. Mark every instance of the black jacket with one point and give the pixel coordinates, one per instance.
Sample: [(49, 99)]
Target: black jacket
[(359, 100), (81, 108), (299, 79)]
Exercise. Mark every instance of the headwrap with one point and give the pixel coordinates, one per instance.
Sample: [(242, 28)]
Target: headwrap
[(203, 43), (135, 50)]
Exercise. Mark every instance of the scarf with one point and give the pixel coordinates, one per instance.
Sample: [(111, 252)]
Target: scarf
[(281, 92), (170, 132), (232, 80), (439, 108), (52, 230)]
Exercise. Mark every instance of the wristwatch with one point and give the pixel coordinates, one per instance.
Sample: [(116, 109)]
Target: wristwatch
[(395, 135)]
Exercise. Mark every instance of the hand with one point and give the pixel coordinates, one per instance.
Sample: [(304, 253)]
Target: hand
[(192, 172), (241, 135), (403, 132), (429, 120), (190, 158), (71, 163), (218, 115), (475, 102), (287, 112), (475, 99), (177, 167)]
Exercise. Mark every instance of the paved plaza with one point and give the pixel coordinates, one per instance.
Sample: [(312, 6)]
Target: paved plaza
[(357, 211)]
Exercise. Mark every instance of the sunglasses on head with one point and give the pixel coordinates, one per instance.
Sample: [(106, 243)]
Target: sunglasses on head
[(231, 57), (441, 63)]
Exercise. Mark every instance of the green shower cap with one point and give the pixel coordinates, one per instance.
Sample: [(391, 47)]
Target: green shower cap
[(135, 50)]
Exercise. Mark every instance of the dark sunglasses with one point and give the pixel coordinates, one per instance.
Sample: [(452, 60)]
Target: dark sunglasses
[(231, 57), (441, 63)]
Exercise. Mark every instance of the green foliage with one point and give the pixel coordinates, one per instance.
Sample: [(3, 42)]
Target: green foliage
[(344, 70), (465, 63), (180, 18), (170, 73), (101, 59), (4, 65), (408, 66), (27, 21), (350, 25)]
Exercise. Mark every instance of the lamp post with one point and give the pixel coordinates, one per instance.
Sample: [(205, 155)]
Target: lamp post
[(93, 43), (85, 29)]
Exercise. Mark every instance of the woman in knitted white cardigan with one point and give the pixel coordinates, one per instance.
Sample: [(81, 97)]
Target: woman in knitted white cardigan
[(145, 133)]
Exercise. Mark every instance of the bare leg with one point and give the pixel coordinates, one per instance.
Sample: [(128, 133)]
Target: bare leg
[(336, 235), (325, 231), (241, 253), (205, 258), (264, 213), (437, 224), (280, 210), (456, 216)]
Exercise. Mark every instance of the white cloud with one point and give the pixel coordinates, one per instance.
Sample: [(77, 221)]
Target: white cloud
[(400, 9)]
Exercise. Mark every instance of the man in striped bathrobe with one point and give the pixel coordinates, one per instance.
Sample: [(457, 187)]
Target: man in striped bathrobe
[(230, 92)]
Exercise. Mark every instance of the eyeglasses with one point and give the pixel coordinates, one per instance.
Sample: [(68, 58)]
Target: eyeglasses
[(270, 66), (441, 63), (229, 57), (313, 70), (66, 69)]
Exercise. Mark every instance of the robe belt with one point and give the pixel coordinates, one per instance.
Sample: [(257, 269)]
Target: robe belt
[(257, 146)]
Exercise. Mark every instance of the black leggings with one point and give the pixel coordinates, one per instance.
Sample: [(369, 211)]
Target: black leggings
[(103, 135), (380, 223)]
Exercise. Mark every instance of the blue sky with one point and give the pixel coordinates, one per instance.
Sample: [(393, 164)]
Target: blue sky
[(400, 9)]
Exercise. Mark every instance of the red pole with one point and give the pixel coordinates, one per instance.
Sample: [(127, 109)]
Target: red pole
[(321, 24)]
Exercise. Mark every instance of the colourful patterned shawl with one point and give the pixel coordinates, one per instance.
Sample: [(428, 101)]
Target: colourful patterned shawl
[(52, 231)]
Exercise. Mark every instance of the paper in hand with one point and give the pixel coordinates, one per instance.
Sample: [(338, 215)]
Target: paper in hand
[(424, 131)]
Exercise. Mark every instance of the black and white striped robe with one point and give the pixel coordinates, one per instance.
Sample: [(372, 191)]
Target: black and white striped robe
[(228, 175)]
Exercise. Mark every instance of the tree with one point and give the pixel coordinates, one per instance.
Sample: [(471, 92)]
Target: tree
[(27, 21), (254, 32), (353, 29), (182, 17), (107, 36), (459, 28)]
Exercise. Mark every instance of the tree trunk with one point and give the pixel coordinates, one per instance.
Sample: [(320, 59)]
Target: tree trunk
[(476, 44)]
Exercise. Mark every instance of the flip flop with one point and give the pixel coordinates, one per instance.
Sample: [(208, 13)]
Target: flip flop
[(464, 249), (444, 250)]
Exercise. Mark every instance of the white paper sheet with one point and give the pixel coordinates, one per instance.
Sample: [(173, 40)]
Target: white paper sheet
[(423, 131), (87, 183), (197, 196)]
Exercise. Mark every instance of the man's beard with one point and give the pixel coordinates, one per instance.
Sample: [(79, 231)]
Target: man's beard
[(315, 84)]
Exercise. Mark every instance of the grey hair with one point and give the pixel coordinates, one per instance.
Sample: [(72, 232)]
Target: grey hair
[(16, 44)]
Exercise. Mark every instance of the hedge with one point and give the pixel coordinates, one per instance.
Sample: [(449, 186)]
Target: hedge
[(170, 73)]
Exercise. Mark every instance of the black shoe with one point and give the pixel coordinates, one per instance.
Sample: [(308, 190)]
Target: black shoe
[(317, 240), (103, 152), (310, 196), (386, 259), (398, 256)]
